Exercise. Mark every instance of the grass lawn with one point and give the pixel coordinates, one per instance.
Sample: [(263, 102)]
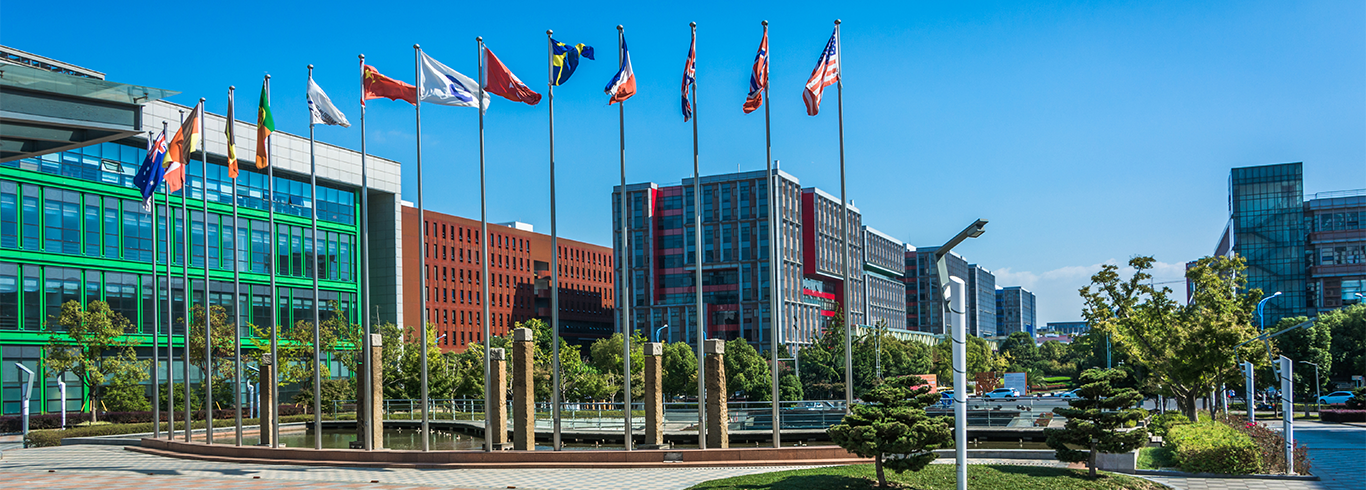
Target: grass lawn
[(933, 477), (1154, 458)]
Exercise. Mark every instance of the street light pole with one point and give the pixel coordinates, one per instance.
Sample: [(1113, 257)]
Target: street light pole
[(1261, 328), (1318, 406), (954, 313)]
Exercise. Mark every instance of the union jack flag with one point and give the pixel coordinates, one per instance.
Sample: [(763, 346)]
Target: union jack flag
[(758, 77), (827, 72), (689, 77)]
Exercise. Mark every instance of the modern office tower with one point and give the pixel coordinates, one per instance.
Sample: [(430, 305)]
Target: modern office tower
[(735, 259), (72, 226), (981, 302), (1266, 227), (1015, 311), (1312, 251), (519, 280), (1065, 328), (1336, 245), (923, 289), (883, 285)]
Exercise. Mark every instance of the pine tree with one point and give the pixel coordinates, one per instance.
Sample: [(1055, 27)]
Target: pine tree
[(1094, 419), (893, 421)]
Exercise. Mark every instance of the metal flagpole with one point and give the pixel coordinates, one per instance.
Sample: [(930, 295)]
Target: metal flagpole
[(236, 287), (367, 375), (189, 291), (554, 260), (697, 238), (422, 261), (314, 271), (156, 310), (844, 241), (484, 245), (170, 315), (776, 259), (274, 385), (626, 327), (206, 372)]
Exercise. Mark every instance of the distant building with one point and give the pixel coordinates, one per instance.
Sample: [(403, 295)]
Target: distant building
[(1015, 308), (924, 297), (884, 290), (1065, 328), (981, 302)]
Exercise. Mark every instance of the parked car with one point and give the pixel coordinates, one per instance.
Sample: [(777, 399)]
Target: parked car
[(1069, 394), (1335, 398), (1006, 393)]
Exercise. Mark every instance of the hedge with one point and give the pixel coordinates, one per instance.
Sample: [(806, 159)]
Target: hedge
[(1161, 424), (46, 438), (1343, 415), (1214, 447)]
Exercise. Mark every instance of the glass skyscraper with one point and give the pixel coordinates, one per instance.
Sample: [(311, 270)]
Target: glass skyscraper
[(1266, 227)]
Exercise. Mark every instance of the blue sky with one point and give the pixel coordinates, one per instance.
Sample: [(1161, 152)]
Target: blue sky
[(1087, 132)]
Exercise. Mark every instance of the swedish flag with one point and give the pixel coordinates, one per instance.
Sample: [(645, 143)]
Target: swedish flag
[(566, 59)]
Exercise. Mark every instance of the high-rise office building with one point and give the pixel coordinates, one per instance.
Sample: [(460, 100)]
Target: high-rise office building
[(1336, 224), (883, 270), (519, 280), (1015, 311), (924, 295), (981, 302)]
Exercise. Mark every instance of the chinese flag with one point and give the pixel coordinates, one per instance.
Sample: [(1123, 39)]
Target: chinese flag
[(498, 79), (377, 85)]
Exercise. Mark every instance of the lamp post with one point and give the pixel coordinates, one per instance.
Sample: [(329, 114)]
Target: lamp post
[(960, 383), (665, 328), (1261, 327), (1318, 406), (23, 400)]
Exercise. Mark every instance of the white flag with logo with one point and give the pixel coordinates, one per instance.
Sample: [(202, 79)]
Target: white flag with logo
[(438, 84), (322, 109)]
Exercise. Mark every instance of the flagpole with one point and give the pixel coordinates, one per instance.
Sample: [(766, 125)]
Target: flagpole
[(313, 267), (777, 260), (206, 373), (844, 240), (273, 384), (422, 258), (170, 315), (484, 244), (236, 283), (554, 260), (367, 374), (156, 306), (697, 237), (189, 291), (626, 327)]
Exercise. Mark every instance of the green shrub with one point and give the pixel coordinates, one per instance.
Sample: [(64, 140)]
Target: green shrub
[(1160, 425), (1213, 447), (1358, 399)]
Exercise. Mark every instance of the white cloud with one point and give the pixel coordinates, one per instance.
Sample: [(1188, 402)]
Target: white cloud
[(1055, 290)]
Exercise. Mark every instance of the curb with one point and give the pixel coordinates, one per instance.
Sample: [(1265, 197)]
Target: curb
[(1182, 474)]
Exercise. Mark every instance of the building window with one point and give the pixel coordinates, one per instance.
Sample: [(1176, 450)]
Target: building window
[(62, 221)]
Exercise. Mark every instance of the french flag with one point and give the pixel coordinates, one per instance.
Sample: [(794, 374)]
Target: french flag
[(623, 85)]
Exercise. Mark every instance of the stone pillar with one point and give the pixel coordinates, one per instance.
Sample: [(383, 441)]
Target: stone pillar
[(371, 425), (269, 407), (654, 395), (718, 435), (497, 411), (523, 391)]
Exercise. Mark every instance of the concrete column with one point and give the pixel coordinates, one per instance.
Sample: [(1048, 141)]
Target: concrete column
[(371, 425), (654, 395), (269, 406), (718, 435), (497, 410), (523, 391)]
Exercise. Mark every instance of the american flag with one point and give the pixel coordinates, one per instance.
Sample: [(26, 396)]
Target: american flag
[(758, 78), (827, 72), (689, 77)]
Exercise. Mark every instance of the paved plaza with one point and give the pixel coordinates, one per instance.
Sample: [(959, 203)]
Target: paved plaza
[(1338, 453)]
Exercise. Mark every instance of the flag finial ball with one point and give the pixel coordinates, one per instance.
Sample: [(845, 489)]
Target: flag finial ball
[(837, 22), (362, 56), (267, 76), (310, 66), (549, 32), (232, 87), (417, 46), (619, 27), (479, 38), (765, 23), (692, 24), (201, 99)]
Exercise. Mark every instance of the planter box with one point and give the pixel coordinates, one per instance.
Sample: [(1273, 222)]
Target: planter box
[(1119, 463)]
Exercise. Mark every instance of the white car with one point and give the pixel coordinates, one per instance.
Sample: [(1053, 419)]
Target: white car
[(1335, 398), (1006, 393)]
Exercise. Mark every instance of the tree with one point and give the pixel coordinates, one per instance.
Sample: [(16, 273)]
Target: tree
[(607, 359), (980, 359), (1095, 417), (1186, 350), (1022, 349), (747, 373), (680, 370), (223, 350), (79, 342), (790, 388), (893, 421), (822, 363), (1310, 344), (1347, 327)]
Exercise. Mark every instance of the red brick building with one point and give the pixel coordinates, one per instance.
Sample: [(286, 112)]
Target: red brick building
[(519, 280)]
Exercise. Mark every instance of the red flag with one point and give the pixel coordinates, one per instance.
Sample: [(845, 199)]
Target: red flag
[(377, 85), (498, 79), (758, 77), (827, 72)]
